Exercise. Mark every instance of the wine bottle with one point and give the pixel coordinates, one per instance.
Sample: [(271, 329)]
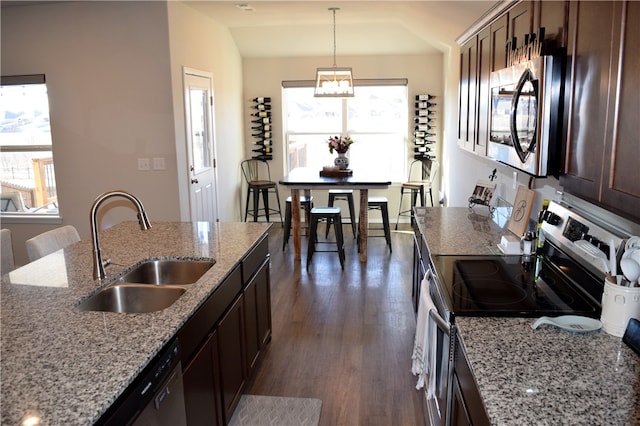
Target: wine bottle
[(264, 120), (424, 97), (421, 149), (262, 99), (265, 150), (262, 114), (424, 127), (262, 127), (423, 119), (261, 107), (425, 104), (263, 142), (424, 112), (265, 135), (263, 157)]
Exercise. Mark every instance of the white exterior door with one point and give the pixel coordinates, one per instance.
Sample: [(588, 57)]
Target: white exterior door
[(198, 95)]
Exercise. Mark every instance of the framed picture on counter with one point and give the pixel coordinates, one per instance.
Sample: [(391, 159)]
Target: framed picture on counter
[(482, 193)]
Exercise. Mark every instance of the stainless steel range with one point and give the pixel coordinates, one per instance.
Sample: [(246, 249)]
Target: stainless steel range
[(565, 277)]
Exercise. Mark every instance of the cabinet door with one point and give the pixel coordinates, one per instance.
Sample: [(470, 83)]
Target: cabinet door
[(483, 97), (521, 21), (588, 90), (201, 384), (551, 16), (621, 180), (467, 100), (231, 355), (602, 148), (459, 414), (499, 37), (257, 314)]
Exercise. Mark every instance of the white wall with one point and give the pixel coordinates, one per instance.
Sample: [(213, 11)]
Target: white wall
[(201, 43), (108, 76), (263, 77)]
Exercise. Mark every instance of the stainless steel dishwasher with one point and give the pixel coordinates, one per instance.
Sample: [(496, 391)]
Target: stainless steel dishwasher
[(156, 397)]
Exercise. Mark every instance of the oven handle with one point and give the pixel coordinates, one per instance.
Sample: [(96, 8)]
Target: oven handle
[(440, 322)]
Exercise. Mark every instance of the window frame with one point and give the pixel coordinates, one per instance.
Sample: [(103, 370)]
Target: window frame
[(29, 216), (290, 162)]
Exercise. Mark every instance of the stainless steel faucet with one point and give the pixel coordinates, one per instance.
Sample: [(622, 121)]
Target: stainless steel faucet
[(98, 264)]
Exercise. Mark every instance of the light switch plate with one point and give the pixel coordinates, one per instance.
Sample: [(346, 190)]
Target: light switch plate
[(144, 164), (158, 163)]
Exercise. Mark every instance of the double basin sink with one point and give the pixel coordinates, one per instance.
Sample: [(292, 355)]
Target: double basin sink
[(151, 286)]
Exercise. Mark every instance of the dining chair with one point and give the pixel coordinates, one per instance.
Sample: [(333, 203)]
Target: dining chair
[(422, 173), (50, 241), (8, 263), (257, 175)]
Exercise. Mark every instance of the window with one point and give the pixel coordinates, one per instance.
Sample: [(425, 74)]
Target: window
[(375, 118), (27, 176)]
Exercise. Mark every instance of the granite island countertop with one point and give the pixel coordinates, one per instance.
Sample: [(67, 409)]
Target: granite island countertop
[(545, 376), (67, 366)]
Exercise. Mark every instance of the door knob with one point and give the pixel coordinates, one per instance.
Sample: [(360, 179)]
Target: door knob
[(194, 180)]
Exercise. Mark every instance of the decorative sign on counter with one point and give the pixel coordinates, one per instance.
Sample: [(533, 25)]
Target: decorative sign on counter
[(521, 212)]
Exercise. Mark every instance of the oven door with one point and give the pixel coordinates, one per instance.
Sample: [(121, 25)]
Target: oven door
[(438, 407)]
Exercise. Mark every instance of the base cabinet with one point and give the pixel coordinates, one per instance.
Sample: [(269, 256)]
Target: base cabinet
[(201, 386), (222, 342), (231, 352), (466, 403)]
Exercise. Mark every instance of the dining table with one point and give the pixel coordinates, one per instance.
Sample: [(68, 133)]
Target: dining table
[(308, 179)]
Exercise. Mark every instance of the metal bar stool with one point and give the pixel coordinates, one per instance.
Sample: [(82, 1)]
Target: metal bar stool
[(343, 195), (381, 204), (257, 175), (421, 176), (328, 214), (307, 204)]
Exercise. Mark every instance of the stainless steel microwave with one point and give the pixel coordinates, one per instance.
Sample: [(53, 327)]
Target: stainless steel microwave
[(526, 116)]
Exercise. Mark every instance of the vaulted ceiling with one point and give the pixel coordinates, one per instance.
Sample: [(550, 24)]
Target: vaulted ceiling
[(265, 28)]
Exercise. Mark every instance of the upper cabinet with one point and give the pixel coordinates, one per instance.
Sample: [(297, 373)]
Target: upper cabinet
[(601, 97), (602, 103)]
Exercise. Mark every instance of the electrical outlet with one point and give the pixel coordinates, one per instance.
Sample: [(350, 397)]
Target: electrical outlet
[(144, 164), (158, 163)]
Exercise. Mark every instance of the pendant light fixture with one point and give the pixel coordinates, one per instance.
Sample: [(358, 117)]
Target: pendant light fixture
[(336, 81)]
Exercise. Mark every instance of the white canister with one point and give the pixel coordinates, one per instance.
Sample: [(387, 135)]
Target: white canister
[(619, 304)]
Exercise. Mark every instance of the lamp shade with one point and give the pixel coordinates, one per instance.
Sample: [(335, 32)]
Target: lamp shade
[(334, 82)]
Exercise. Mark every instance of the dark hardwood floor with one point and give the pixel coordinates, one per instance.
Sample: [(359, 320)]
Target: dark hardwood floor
[(344, 337)]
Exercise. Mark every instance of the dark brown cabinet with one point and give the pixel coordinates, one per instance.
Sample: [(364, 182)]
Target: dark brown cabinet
[(467, 102), (602, 103), (201, 386), (257, 317), (467, 407), (224, 339), (233, 372)]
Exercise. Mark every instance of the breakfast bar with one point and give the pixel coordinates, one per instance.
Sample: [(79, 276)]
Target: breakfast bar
[(307, 179)]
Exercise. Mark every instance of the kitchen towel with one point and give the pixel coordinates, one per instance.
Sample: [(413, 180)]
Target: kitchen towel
[(424, 347)]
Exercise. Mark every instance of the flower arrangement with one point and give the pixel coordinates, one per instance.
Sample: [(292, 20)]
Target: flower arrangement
[(340, 144)]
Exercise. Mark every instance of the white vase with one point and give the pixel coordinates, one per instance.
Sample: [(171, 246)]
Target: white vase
[(342, 161)]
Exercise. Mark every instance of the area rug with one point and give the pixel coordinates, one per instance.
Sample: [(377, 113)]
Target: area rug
[(258, 410)]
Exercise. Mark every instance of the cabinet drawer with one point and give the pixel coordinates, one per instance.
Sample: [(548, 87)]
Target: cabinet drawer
[(254, 259), (201, 323)]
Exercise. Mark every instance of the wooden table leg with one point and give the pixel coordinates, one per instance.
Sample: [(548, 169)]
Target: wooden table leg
[(295, 222), (363, 223)]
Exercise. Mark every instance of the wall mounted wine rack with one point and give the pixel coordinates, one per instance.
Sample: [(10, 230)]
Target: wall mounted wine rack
[(262, 129), (424, 128)]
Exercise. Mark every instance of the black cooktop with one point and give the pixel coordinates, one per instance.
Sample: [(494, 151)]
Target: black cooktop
[(514, 286)]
